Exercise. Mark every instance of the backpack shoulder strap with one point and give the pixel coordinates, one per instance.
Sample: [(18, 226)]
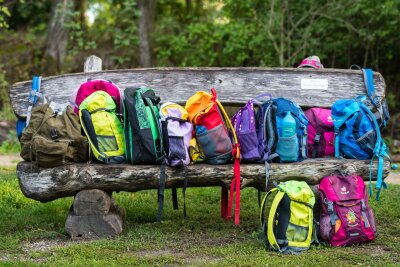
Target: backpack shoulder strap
[(379, 153), (271, 220)]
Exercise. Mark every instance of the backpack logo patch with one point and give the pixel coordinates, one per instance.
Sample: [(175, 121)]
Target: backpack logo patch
[(344, 191), (351, 216)]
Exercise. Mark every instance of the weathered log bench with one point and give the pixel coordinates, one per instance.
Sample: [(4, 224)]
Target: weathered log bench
[(94, 213)]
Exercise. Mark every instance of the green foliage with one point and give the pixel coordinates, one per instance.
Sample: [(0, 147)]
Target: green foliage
[(33, 233), (4, 12), (11, 145)]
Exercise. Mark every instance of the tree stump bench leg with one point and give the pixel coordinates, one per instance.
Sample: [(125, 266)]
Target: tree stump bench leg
[(94, 214)]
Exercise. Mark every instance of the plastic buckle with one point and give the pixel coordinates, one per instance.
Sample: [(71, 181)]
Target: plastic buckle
[(317, 138), (53, 134)]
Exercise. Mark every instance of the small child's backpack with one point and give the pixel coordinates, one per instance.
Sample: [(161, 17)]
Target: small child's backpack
[(102, 127), (357, 135), (176, 133), (143, 141), (287, 223), (248, 123), (321, 134), (346, 217), (91, 86), (285, 148), (217, 139)]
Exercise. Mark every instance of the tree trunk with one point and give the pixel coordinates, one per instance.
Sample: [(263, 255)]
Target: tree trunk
[(147, 10), (57, 35)]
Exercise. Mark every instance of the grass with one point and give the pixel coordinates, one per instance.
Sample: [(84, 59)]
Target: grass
[(11, 145), (32, 233)]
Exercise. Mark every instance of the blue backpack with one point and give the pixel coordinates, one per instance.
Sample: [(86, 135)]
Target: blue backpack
[(357, 134), (281, 148)]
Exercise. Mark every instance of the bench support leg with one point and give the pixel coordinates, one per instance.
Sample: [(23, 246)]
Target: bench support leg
[(94, 214)]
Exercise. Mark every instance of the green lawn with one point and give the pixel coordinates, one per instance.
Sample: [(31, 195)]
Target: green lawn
[(32, 233)]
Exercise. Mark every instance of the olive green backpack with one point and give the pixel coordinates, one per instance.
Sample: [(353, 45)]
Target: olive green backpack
[(53, 138), (287, 224)]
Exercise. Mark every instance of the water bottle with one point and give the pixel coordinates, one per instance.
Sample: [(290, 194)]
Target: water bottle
[(288, 125)]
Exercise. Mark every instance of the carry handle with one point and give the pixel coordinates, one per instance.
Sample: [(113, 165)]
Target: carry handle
[(260, 96)]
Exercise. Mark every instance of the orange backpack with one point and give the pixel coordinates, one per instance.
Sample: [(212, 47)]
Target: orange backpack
[(218, 141)]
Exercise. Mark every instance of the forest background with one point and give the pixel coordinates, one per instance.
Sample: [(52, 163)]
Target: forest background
[(49, 37)]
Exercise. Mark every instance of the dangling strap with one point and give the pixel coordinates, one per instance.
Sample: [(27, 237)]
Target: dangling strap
[(174, 198), (161, 191), (235, 185), (185, 183), (336, 142)]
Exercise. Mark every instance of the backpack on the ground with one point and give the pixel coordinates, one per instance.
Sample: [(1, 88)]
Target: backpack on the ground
[(287, 223), (176, 133), (53, 137), (91, 86), (142, 127), (217, 139), (321, 134), (346, 217), (285, 144), (103, 128), (248, 123), (357, 135)]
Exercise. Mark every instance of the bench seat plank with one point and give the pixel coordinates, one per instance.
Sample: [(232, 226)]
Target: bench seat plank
[(234, 85), (52, 183)]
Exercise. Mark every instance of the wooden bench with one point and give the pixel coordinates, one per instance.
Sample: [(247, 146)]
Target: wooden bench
[(307, 87)]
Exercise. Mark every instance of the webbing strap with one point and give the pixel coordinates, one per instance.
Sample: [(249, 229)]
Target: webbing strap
[(317, 139), (336, 142), (174, 198), (332, 214), (224, 202), (363, 209), (235, 186), (271, 221), (185, 183), (262, 219), (161, 191)]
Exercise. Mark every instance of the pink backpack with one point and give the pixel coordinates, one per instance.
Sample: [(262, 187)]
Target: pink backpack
[(346, 217), (321, 133), (91, 86)]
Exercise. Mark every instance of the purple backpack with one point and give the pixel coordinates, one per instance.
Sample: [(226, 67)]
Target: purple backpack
[(248, 124), (346, 217), (321, 134)]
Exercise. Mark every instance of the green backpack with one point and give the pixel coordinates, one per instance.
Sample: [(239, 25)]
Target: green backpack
[(143, 141), (289, 227), (53, 138), (102, 127)]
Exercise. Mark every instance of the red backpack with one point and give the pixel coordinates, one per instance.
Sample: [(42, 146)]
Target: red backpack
[(91, 86)]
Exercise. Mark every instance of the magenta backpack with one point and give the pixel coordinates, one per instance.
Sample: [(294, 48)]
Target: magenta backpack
[(91, 86), (346, 217), (321, 133)]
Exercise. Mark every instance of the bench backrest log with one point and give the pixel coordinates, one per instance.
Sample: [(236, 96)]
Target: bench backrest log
[(307, 87)]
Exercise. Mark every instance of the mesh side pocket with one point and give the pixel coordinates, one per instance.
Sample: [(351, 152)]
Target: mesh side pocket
[(367, 142), (107, 143), (215, 142), (287, 148), (177, 149), (296, 233)]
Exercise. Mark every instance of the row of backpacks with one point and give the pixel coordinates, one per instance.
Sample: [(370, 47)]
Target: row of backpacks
[(133, 127), (345, 217)]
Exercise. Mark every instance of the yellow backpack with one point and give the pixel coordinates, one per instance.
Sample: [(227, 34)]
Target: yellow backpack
[(102, 127)]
